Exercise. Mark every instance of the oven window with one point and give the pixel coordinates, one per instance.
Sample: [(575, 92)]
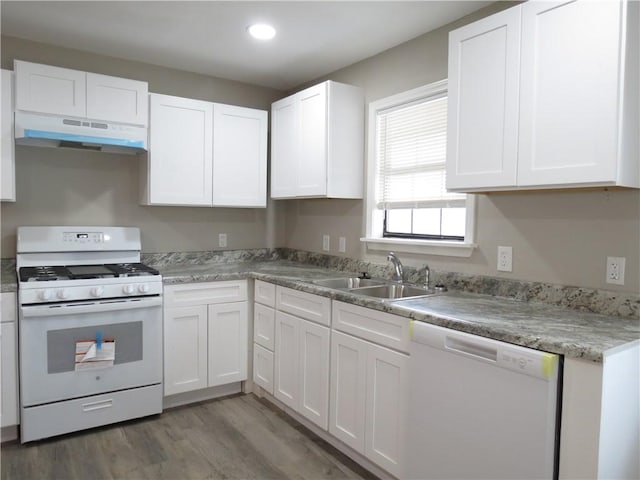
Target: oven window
[(61, 344)]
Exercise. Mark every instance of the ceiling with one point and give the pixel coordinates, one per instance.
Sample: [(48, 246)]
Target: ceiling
[(209, 37)]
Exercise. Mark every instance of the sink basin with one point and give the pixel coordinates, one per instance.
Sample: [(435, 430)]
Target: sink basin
[(348, 282), (393, 291)]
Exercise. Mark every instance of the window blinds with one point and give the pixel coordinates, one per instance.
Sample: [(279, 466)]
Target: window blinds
[(411, 152)]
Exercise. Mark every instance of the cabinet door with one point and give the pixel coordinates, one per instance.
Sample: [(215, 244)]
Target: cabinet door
[(47, 89), (228, 343), (569, 116), (284, 148), (312, 156), (114, 99), (263, 326), (239, 156), (185, 349), (385, 407), (286, 357), (263, 367), (348, 389), (7, 158), (314, 373), (180, 151), (484, 65), (9, 372)]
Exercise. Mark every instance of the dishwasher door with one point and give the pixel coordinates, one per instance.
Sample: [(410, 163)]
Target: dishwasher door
[(479, 408)]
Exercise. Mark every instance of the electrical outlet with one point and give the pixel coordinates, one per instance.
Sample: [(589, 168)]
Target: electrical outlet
[(326, 242), (615, 270), (222, 240), (342, 244), (505, 259)]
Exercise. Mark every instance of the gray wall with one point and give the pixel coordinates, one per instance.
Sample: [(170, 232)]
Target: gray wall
[(557, 237), (69, 187)]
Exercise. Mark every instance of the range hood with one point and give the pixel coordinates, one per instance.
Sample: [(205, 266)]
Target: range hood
[(72, 132)]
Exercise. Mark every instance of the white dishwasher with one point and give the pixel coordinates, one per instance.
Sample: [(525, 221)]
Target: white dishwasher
[(479, 408)]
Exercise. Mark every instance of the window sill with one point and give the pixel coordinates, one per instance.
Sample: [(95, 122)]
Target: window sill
[(426, 247)]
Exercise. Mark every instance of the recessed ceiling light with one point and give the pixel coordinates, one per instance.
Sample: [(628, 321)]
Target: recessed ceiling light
[(261, 31)]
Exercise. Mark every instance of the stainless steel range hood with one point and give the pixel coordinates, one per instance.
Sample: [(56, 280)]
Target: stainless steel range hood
[(68, 132)]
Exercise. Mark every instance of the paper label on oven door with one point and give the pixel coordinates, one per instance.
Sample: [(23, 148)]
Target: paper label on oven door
[(91, 354)]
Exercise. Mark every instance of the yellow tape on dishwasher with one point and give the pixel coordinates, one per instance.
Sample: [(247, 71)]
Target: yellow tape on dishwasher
[(411, 329), (549, 362)]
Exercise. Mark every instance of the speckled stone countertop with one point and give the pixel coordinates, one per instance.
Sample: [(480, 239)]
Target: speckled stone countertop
[(530, 315), (536, 325)]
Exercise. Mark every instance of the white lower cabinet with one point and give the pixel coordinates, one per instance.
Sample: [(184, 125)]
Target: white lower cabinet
[(205, 335), (301, 376), (264, 317), (368, 388), (9, 358), (301, 354)]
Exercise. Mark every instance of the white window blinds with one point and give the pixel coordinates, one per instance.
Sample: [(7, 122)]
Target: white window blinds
[(411, 152)]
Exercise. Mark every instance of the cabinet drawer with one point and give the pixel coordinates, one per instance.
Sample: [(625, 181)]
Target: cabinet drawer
[(382, 328), (304, 305), (205, 293), (263, 326), (8, 307), (265, 293), (263, 367)]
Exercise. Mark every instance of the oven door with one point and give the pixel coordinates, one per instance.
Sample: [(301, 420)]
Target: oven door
[(56, 359)]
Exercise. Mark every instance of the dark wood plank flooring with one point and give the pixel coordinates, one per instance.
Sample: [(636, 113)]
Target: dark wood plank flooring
[(237, 437)]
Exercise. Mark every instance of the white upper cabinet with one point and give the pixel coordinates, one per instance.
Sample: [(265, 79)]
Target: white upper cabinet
[(116, 99), (62, 91), (545, 95), (240, 156), (179, 167), (7, 149), (484, 59), (317, 143), (205, 154)]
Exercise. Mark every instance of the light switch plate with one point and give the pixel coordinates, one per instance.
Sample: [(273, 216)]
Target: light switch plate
[(222, 240), (326, 243), (342, 244)]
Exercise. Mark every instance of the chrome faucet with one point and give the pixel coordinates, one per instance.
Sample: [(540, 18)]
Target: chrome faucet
[(398, 276)]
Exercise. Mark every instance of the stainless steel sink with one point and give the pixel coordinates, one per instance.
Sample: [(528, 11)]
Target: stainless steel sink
[(348, 282), (394, 291)]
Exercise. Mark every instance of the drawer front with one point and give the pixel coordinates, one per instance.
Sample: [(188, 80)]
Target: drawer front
[(8, 307), (265, 293), (379, 327), (205, 293), (263, 368), (304, 305), (88, 412), (263, 326)]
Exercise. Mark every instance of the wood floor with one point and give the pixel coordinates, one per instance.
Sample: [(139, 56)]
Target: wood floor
[(237, 437)]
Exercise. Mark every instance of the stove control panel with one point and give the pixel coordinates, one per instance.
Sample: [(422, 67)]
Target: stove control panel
[(82, 237)]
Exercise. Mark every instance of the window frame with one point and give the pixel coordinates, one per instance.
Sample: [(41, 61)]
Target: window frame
[(374, 217)]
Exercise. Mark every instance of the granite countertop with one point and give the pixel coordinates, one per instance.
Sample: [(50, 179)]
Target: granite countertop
[(536, 325)]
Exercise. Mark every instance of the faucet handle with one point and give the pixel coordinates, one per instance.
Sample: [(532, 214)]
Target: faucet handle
[(364, 275)]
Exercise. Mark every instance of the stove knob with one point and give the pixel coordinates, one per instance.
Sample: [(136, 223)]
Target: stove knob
[(45, 295), (63, 294), (143, 288), (97, 291), (128, 289)]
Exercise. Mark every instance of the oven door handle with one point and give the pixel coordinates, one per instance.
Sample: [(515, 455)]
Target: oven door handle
[(88, 308)]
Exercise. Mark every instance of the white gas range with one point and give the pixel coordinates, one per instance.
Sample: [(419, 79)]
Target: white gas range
[(90, 329)]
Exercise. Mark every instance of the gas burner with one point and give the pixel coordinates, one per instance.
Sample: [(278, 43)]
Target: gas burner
[(43, 274), (132, 269)]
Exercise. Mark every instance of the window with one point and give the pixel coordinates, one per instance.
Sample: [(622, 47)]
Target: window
[(407, 200)]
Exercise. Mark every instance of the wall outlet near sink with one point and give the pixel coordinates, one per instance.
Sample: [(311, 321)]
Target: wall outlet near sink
[(222, 240), (615, 270), (505, 259), (326, 242)]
